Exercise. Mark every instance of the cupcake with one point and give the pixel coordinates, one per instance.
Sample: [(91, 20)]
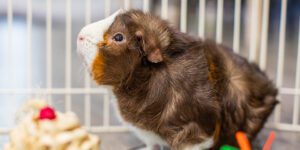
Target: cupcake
[(43, 128)]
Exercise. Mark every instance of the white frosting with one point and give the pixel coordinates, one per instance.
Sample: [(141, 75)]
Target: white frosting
[(62, 133)]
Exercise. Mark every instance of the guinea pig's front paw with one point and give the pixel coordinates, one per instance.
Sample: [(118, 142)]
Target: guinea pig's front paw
[(145, 148), (155, 147)]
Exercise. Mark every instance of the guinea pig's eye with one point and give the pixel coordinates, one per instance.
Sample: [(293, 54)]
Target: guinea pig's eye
[(118, 37)]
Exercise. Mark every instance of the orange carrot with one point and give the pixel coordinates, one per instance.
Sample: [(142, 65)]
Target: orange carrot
[(242, 141), (269, 141)]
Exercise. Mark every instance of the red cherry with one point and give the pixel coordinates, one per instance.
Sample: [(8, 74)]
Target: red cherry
[(47, 113)]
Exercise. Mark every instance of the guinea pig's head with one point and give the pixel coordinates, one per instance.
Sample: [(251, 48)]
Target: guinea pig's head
[(116, 46)]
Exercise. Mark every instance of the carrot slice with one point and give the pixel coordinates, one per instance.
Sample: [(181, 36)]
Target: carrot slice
[(242, 141), (269, 141)]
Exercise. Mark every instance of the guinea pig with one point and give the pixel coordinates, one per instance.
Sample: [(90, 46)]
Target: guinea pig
[(174, 89)]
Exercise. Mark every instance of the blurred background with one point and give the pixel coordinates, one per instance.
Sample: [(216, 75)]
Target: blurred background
[(38, 56)]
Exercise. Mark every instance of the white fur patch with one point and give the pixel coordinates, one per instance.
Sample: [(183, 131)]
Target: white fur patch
[(148, 137), (201, 146), (92, 34)]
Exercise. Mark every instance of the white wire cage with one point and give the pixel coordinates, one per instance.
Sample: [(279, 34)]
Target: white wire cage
[(43, 50)]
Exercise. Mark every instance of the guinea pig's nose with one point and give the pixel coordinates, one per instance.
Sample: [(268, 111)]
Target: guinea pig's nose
[(81, 38)]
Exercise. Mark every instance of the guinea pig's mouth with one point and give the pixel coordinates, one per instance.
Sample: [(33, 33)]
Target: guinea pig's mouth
[(83, 58), (90, 35)]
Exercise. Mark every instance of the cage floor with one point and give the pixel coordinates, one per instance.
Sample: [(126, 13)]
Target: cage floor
[(127, 141)]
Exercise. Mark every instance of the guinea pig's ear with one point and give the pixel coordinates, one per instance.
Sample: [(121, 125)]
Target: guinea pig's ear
[(128, 21), (148, 49)]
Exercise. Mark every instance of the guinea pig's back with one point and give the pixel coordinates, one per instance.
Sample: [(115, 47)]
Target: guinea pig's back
[(248, 96)]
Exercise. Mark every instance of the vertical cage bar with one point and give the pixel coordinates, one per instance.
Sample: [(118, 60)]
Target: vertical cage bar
[(68, 76), (87, 83), (9, 36), (164, 9), (29, 39), (183, 15), (201, 24), (253, 34), (49, 48), (107, 8), (264, 35), (280, 63), (9, 23), (237, 26), (106, 100), (297, 84), (146, 6), (106, 110), (126, 4), (219, 31), (88, 17)]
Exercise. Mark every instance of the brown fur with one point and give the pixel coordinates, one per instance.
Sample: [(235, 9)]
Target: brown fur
[(196, 89)]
